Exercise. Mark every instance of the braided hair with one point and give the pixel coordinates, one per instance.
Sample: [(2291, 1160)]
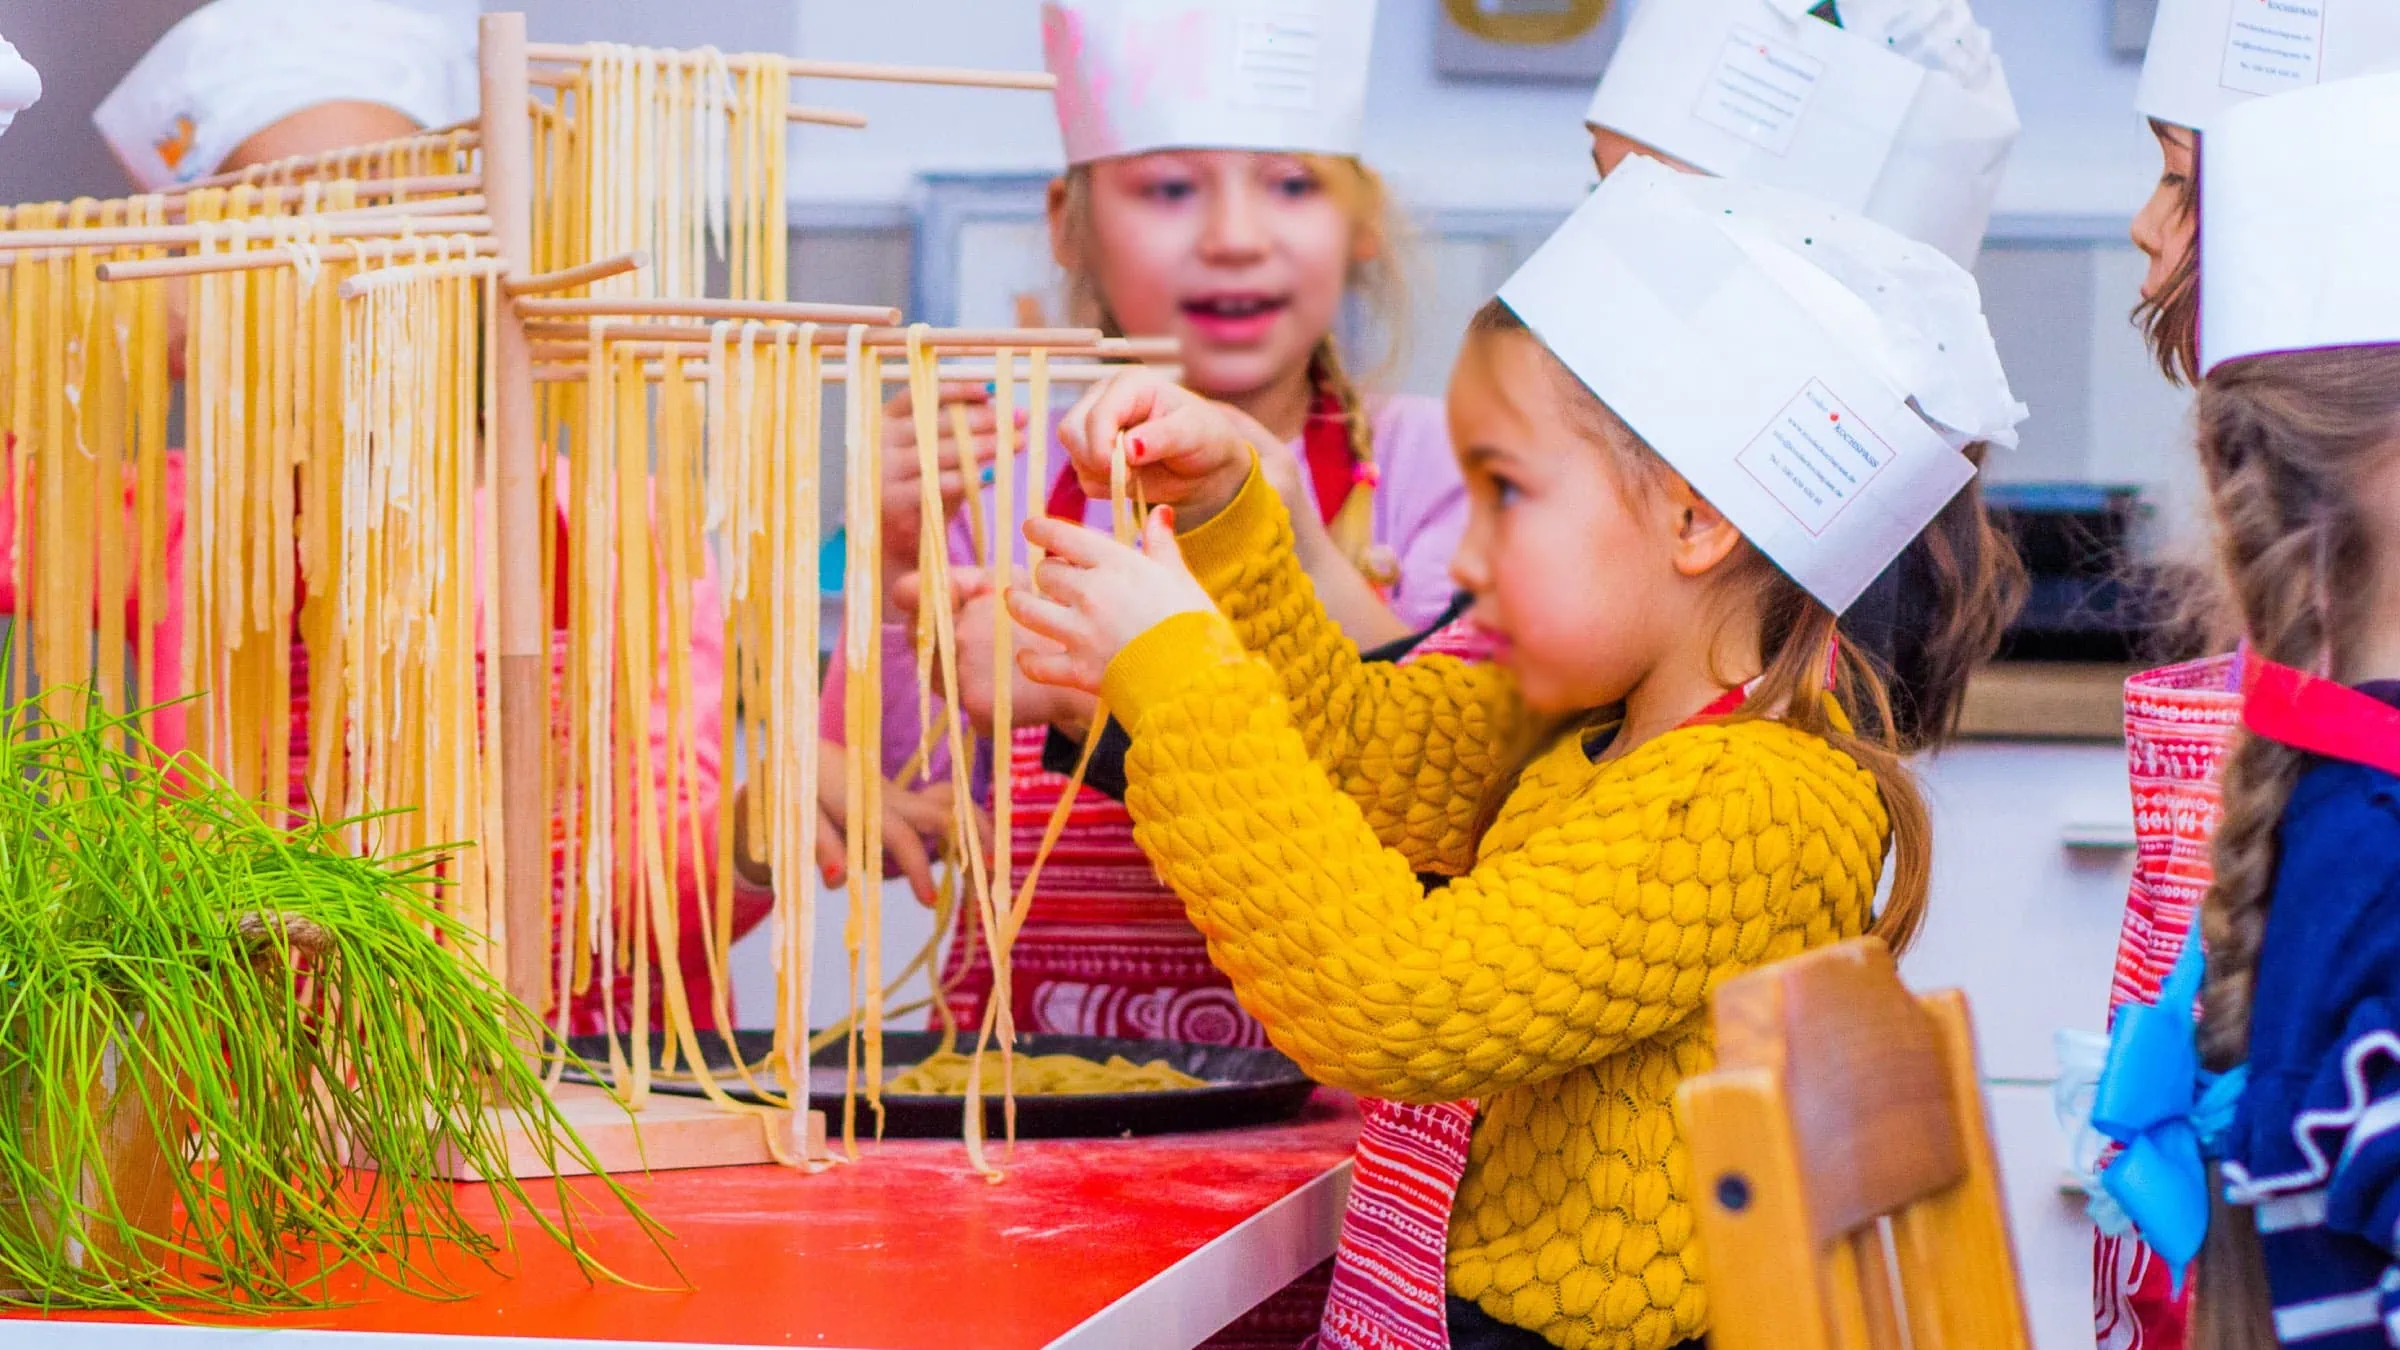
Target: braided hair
[(2287, 442)]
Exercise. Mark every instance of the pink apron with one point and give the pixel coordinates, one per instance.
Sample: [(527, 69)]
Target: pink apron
[(2177, 723)]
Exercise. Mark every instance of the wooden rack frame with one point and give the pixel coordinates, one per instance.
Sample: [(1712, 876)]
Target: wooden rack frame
[(486, 220)]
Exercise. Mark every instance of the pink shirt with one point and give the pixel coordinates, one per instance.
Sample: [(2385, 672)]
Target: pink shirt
[(1420, 510)]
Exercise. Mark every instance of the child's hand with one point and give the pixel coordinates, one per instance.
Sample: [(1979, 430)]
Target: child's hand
[(914, 823), (976, 600), (1093, 595), (904, 475), (1183, 450)]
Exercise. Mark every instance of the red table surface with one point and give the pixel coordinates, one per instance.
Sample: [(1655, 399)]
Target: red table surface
[(906, 1249)]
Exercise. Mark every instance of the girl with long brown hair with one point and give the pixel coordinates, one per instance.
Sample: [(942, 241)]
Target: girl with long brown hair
[(2178, 718), (2299, 438), (1679, 794)]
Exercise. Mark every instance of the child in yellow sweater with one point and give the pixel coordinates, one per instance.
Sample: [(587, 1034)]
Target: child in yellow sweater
[(1693, 427)]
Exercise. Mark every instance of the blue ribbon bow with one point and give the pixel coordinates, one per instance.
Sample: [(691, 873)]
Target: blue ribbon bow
[(2156, 1101)]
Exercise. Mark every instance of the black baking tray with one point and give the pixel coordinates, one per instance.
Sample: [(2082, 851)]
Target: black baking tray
[(1245, 1087)]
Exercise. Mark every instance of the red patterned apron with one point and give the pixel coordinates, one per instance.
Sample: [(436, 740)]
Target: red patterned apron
[(1106, 949), (2177, 723)]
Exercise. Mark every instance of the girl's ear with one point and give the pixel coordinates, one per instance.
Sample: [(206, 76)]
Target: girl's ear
[(1703, 536), (1062, 249)]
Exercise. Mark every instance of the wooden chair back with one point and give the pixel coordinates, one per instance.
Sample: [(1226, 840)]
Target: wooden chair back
[(1842, 1166)]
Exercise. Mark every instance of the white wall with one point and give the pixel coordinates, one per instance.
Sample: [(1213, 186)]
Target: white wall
[(1447, 143)]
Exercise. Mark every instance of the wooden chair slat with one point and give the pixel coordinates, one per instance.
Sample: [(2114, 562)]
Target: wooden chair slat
[(1842, 1142)]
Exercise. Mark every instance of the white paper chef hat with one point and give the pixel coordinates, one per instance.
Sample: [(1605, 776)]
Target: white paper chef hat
[(1813, 374), (2209, 55), (1901, 114), (20, 84), (1142, 75), (2303, 205), (235, 67)]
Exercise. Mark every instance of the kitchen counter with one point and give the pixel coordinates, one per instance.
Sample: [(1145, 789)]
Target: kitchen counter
[(2047, 701)]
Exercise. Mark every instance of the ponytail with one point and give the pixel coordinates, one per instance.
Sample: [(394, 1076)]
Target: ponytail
[(1966, 575)]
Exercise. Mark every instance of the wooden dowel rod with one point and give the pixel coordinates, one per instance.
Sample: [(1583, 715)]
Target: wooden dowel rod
[(1031, 80), (828, 117), (568, 278), (202, 264), (548, 371), (316, 165), (556, 53), (359, 285), (430, 185), (974, 341), (1062, 372), (1141, 349), (814, 116), (524, 617), (765, 311), (429, 208), (264, 230)]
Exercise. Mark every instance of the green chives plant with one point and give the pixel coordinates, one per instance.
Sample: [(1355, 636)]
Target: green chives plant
[(205, 1020)]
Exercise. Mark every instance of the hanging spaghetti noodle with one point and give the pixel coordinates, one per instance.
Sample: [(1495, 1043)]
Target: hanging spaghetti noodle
[(415, 355), (675, 154)]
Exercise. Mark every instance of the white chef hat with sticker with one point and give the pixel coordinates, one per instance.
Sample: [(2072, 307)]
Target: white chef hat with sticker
[(2209, 55), (20, 84), (1900, 113), (2302, 207), (233, 68), (1141, 75), (1815, 375)]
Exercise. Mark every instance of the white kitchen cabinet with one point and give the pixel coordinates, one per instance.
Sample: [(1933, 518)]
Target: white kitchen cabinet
[(2032, 853)]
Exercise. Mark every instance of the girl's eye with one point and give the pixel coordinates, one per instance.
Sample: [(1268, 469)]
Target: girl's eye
[(1297, 186), (1504, 492), (1168, 191)]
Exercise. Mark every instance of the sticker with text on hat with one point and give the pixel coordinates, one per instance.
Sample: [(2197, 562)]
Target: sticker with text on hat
[(233, 68), (20, 84), (2303, 209), (1816, 376), (1896, 109), (2209, 55), (1141, 75)]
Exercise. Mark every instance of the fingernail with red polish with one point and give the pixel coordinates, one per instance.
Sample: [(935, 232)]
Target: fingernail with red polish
[(1136, 451), (833, 876), (1166, 516)]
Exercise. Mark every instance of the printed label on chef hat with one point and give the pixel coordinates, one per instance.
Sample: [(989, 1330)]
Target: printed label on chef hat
[(2209, 55), (236, 67), (1903, 114), (2303, 206), (1813, 374), (1141, 75), (20, 84)]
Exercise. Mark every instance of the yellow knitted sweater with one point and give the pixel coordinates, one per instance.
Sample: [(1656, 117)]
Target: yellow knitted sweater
[(1290, 793)]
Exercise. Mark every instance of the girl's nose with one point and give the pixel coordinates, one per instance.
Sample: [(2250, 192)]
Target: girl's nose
[(1470, 566), (1236, 226)]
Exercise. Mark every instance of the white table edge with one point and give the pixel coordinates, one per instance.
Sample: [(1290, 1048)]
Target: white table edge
[(1239, 1269)]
